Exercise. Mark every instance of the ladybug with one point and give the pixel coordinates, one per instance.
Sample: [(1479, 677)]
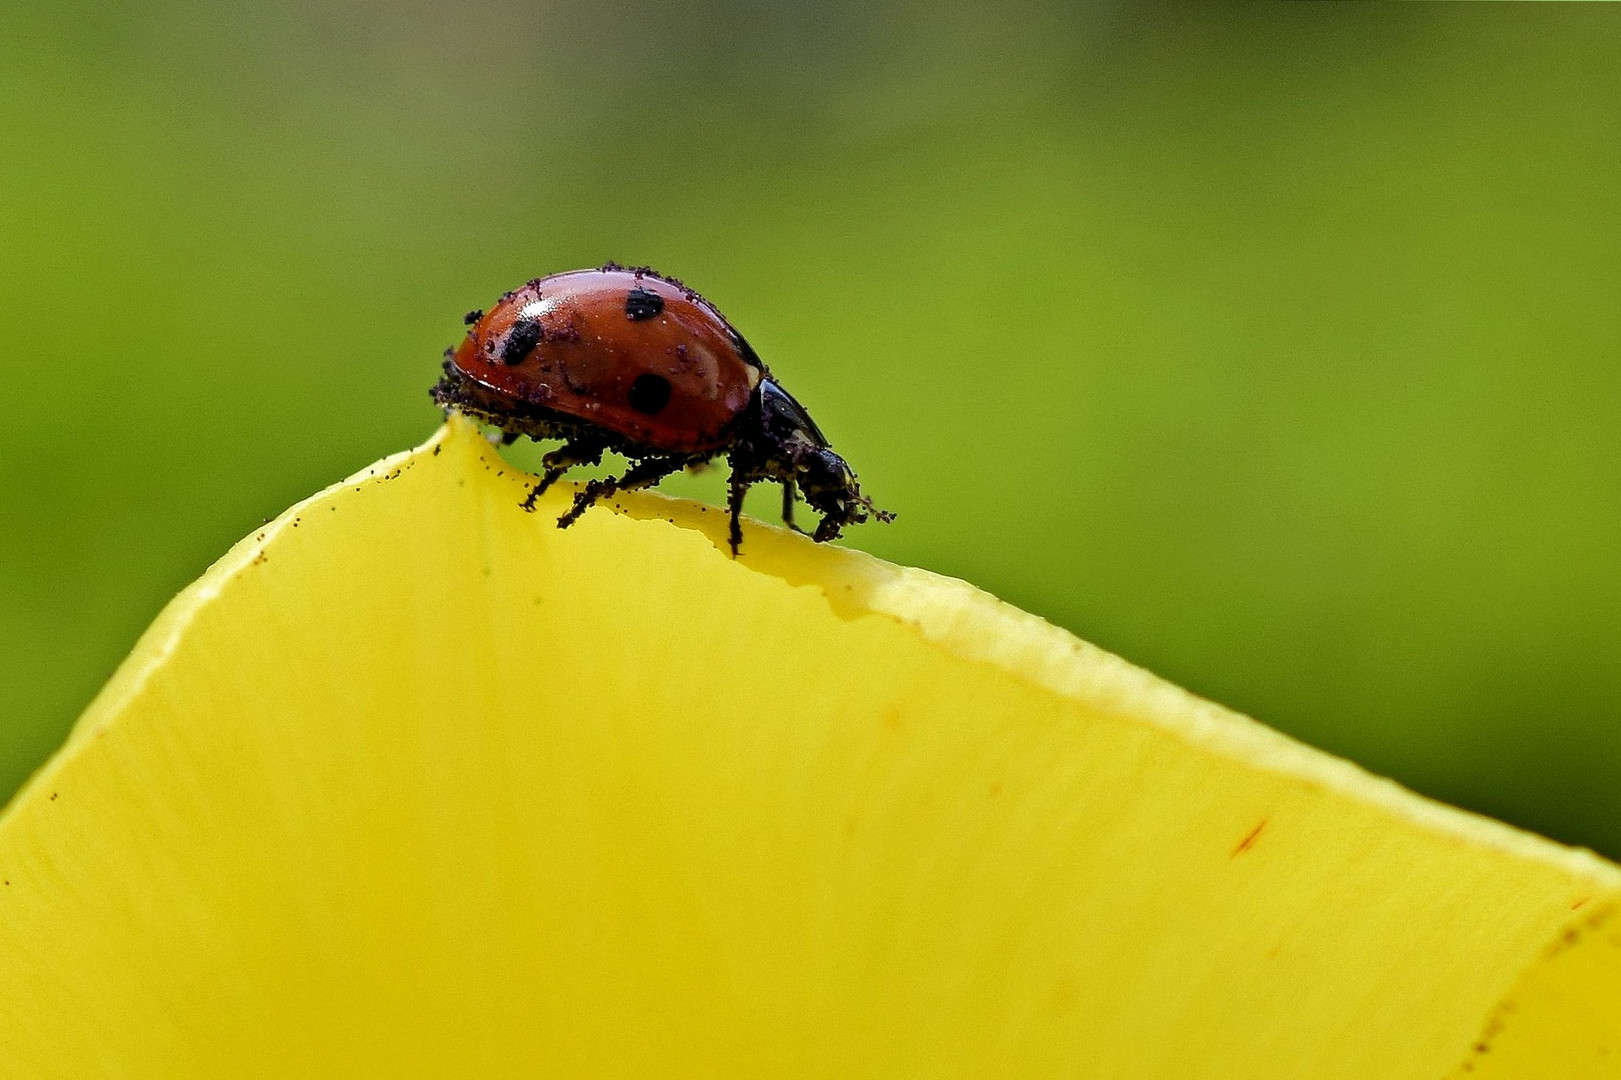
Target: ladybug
[(628, 360)]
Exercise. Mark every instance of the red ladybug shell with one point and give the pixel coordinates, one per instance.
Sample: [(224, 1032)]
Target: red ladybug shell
[(625, 350)]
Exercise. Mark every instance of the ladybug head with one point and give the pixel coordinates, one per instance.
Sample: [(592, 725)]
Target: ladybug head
[(784, 443)]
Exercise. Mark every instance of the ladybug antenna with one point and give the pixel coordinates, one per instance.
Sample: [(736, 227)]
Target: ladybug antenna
[(885, 516)]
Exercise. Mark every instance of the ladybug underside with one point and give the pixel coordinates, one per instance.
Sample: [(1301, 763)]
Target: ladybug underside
[(584, 443), (538, 422)]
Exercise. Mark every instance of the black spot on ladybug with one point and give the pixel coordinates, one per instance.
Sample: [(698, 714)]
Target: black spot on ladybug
[(521, 341), (641, 304), (472, 317), (649, 393), (745, 350)]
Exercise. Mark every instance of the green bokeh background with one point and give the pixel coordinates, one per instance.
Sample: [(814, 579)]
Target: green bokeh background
[(1275, 348)]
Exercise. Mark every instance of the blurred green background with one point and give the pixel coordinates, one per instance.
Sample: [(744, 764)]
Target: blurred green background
[(1273, 347)]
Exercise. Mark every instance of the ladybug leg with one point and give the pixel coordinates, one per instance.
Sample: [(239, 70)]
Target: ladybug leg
[(737, 487), (788, 507), (644, 473), (559, 461)]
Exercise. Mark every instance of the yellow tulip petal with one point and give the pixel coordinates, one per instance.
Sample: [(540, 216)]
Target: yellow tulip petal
[(413, 783)]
